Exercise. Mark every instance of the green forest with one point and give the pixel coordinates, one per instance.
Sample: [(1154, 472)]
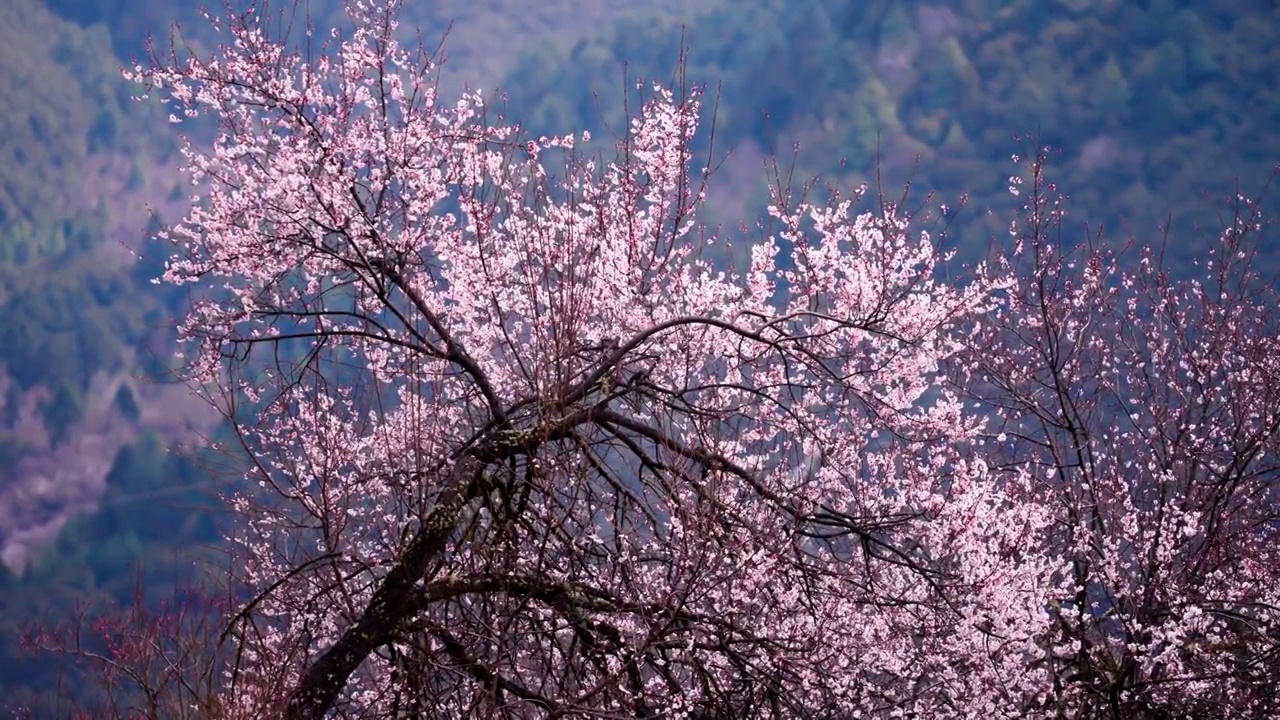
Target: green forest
[(1155, 112), (1150, 109), (84, 444)]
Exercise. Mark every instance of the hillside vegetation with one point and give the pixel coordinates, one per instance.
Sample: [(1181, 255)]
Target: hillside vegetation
[(77, 321), (485, 38), (87, 489), (1152, 108)]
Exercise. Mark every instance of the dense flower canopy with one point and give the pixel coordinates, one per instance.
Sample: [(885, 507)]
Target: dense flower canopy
[(522, 448)]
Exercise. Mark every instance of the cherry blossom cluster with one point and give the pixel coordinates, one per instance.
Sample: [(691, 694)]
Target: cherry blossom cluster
[(520, 448)]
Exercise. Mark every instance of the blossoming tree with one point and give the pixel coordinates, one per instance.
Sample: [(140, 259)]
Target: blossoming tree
[(520, 450), (1146, 408)]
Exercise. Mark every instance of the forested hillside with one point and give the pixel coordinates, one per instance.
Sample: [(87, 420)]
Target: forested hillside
[(1150, 108), (484, 37), (87, 488), (78, 318)]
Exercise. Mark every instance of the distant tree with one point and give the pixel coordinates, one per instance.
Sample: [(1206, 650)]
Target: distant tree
[(145, 660), (1112, 94), (126, 403), (62, 411)]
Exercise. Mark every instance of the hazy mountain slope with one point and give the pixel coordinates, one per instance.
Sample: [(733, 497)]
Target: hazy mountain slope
[(80, 163), (485, 37), (1148, 105), (62, 107), (80, 326)]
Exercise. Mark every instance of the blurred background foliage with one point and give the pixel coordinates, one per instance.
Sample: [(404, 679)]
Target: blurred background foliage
[(1155, 110)]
